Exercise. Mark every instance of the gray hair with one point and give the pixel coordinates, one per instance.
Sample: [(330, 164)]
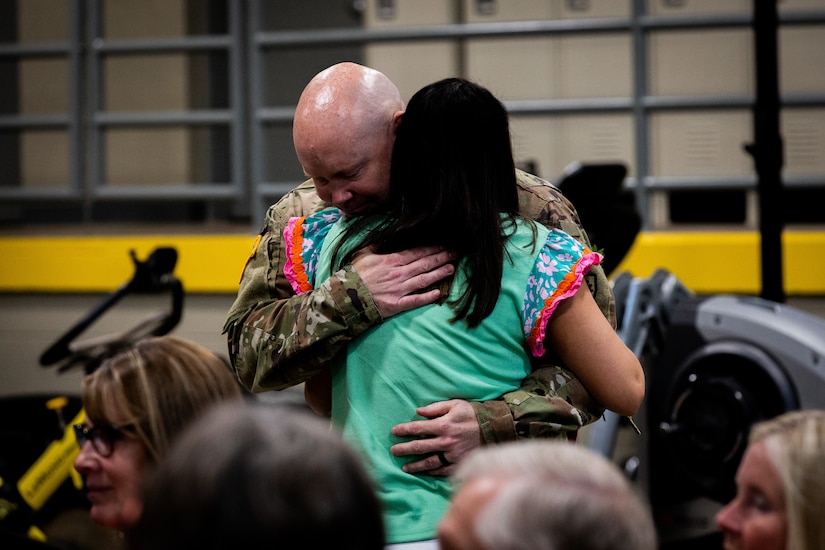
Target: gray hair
[(557, 496)]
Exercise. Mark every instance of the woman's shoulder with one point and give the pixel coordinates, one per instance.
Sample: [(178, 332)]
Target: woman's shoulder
[(557, 274), (304, 237), (563, 256)]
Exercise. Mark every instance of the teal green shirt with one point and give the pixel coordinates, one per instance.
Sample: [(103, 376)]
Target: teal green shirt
[(418, 357)]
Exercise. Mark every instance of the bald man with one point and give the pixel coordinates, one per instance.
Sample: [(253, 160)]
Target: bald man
[(343, 132)]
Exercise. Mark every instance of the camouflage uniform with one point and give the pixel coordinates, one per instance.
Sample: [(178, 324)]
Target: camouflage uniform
[(277, 339)]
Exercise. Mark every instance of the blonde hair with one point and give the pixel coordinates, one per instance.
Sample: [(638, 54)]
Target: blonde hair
[(795, 443), (158, 387)]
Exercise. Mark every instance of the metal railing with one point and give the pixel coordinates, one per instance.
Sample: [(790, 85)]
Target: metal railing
[(247, 115)]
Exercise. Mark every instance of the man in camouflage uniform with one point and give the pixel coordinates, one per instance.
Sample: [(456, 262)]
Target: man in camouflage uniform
[(278, 339)]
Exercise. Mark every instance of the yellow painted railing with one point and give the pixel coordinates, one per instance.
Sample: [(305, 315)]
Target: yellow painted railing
[(706, 262)]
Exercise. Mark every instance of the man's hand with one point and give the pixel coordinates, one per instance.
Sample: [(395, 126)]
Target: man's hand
[(396, 281), (452, 430)]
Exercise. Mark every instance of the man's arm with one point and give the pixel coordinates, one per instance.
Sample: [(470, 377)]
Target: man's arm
[(277, 339), (268, 323), (551, 403)]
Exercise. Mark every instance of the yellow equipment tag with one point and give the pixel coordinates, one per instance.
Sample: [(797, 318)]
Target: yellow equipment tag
[(52, 468)]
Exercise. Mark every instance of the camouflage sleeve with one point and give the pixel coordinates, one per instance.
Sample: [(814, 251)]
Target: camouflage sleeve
[(277, 339), (551, 402), (541, 201)]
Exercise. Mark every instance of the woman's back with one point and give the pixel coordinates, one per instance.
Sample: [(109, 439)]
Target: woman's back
[(419, 356)]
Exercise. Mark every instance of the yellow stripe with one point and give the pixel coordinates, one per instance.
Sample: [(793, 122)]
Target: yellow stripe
[(705, 262), (206, 263), (729, 262)]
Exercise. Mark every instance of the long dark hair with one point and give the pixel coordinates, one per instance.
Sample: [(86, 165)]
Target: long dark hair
[(452, 178)]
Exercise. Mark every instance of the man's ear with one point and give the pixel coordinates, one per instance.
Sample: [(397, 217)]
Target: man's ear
[(396, 119)]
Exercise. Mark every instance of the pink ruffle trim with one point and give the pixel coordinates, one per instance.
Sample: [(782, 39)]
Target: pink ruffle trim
[(567, 287), (294, 268)]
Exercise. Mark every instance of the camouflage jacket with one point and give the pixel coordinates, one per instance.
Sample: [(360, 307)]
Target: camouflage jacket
[(278, 339)]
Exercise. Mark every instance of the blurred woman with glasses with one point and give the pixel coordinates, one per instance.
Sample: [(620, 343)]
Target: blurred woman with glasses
[(136, 404)]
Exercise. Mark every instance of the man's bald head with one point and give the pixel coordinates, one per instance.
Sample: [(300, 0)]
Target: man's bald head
[(346, 99), (343, 132)]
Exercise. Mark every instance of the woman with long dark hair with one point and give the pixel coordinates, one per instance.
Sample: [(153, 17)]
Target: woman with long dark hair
[(515, 292)]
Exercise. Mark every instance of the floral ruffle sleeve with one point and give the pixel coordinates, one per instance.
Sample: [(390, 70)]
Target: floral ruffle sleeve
[(304, 237), (558, 273)]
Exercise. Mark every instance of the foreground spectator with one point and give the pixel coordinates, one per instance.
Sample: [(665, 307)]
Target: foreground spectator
[(259, 477), (780, 487), (544, 495), (136, 404)]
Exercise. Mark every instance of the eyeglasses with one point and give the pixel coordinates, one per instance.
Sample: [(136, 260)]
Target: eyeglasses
[(103, 437)]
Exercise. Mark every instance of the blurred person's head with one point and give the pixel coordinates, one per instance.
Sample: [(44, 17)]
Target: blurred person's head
[(136, 404), (343, 132), (780, 486), (544, 495), (257, 476)]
